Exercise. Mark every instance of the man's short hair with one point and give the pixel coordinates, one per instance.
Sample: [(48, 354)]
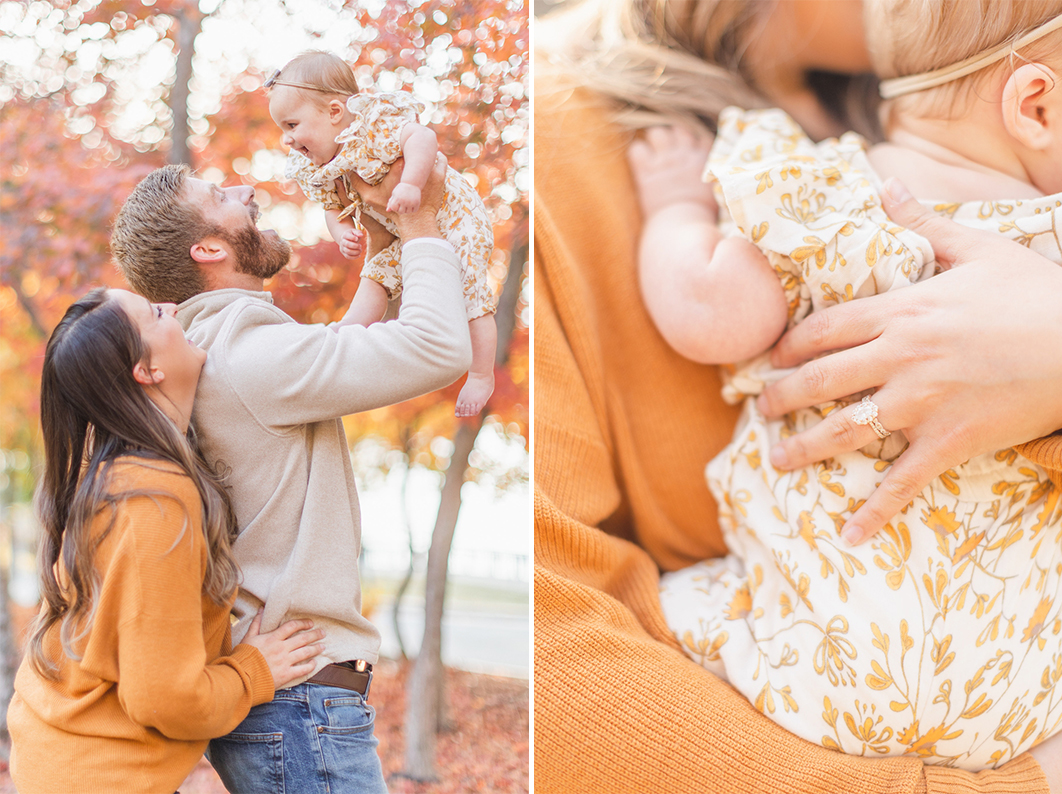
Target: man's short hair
[(153, 236)]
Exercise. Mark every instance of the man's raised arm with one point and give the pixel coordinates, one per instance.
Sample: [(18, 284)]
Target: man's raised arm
[(306, 373)]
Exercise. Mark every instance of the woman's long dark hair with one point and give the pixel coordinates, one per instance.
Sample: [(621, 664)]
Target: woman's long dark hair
[(92, 412)]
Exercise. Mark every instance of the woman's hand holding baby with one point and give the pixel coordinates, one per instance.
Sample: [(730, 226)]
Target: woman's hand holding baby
[(952, 364)]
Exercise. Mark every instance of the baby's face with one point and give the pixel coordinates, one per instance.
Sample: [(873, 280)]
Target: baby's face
[(304, 126)]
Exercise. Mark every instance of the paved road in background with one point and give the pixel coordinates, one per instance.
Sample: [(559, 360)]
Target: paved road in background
[(478, 637)]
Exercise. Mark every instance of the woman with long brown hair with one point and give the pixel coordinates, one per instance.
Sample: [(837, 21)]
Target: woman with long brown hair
[(129, 668)]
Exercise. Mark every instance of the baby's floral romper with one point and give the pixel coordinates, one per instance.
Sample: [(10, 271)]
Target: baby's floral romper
[(941, 637), (370, 144)]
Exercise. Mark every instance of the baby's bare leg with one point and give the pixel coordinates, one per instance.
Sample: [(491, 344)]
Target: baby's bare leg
[(480, 384), (368, 306)]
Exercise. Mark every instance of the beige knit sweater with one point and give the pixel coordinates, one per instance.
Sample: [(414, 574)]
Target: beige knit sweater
[(623, 428), (268, 407)]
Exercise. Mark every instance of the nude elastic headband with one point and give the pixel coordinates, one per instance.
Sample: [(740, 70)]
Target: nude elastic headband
[(898, 86), (272, 81)]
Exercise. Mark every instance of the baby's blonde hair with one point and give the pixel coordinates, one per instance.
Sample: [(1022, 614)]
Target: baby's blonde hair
[(907, 37), (321, 69)]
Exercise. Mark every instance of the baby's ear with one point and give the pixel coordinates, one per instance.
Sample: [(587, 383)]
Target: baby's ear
[(1032, 106), (335, 110)]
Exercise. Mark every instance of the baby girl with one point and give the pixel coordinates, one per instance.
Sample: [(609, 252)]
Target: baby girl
[(942, 636), (335, 133)]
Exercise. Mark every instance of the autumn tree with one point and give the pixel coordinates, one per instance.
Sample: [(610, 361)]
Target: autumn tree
[(95, 93)]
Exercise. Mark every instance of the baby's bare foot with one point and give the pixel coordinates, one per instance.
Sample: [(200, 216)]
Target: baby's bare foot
[(667, 166), (474, 394)]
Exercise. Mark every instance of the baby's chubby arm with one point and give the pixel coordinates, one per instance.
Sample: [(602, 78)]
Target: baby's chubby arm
[(714, 299), (419, 147)]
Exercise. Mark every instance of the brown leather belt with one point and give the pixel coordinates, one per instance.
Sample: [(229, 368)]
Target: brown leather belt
[(345, 675)]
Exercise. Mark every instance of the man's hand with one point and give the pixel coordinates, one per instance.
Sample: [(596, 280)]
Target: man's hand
[(421, 223), (379, 237)]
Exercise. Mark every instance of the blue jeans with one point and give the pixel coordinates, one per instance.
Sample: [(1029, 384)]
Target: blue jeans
[(310, 739)]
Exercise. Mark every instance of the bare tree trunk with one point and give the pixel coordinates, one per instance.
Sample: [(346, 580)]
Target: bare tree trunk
[(422, 709), (404, 584), (189, 23), (424, 704)]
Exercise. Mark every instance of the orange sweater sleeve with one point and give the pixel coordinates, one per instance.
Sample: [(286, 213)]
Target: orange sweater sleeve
[(1047, 452), (152, 598), (623, 429)]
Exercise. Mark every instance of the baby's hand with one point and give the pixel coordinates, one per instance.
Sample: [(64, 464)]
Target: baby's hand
[(352, 243), (405, 199), (667, 167)]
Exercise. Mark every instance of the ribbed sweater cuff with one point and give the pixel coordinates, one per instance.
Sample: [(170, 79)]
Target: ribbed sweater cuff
[(1047, 452), (420, 247), (254, 664), (1024, 776)]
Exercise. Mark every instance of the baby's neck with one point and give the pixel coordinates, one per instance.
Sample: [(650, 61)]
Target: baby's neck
[(345, 122), (957, 160)]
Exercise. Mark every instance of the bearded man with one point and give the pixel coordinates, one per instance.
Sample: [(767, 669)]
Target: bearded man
[(267, 411)]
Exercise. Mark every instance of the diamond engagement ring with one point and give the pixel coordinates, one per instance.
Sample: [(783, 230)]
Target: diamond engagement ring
[(866, 413)]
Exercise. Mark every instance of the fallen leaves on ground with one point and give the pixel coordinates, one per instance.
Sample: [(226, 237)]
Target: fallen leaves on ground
[(484, 751), (486, 748)]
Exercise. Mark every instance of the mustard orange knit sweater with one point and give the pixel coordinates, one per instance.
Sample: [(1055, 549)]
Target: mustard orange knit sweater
[(623, 429), (157, 677)]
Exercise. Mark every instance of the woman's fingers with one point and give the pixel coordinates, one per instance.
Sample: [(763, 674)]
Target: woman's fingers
[(304, 638), (836, 434), (292, 627), (905, 479), (843, 326), (951, 242), (311, 651), (832, 377), (256, 626)]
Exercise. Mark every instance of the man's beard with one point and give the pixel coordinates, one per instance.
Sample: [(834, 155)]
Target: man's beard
[(257, 254)]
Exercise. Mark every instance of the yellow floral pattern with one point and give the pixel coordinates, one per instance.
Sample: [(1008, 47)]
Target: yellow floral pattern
[(370, 144), (941, 637)]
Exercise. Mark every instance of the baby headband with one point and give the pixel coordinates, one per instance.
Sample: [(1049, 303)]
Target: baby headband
[(272, 81), (898, 86)]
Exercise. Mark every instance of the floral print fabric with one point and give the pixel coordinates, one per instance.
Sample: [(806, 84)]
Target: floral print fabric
[(369, 145), (941, 637)]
